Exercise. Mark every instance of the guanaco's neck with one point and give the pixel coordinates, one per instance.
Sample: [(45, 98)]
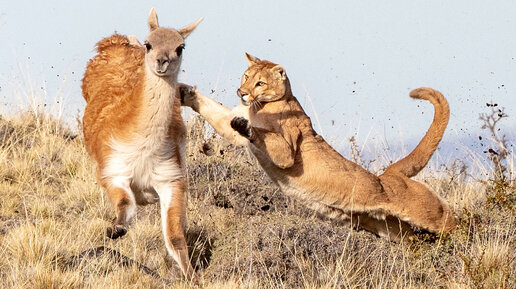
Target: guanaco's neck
[(157, 102)]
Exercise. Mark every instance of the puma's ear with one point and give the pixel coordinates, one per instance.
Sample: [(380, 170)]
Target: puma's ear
[(153, 20), (185, 31), (251, 59), (279, 72)]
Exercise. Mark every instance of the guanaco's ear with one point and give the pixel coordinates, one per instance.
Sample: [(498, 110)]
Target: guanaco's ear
[(185, 31), (279, 71), (153, 20), (251, 59)]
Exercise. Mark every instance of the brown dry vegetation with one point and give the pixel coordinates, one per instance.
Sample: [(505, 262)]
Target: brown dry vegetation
[(242, 231)]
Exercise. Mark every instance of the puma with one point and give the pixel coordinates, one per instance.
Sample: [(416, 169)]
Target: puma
[(272, 124)]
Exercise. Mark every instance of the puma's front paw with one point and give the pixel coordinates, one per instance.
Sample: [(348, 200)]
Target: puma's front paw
[(241, 125), (188, 95)]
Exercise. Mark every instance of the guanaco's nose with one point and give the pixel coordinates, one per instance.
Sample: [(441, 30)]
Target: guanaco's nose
[(162, 64), (162, 61)]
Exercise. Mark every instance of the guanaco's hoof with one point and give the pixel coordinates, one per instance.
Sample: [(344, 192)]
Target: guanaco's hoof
[(116, 231)]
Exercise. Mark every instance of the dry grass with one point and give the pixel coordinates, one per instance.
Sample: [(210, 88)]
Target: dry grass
[(242, 232)]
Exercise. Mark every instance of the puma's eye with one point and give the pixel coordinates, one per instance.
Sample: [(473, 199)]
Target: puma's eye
[(260, 83), (179, 50), (148, 46)]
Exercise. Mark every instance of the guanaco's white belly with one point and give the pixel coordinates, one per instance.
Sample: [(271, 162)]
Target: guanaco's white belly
[(145, 162)]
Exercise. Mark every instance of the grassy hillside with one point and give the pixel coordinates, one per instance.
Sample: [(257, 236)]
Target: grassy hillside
[(242, 231)]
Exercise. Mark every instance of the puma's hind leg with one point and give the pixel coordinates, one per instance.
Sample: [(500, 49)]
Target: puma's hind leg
[(417, 204), (390, 228), (427, 209)]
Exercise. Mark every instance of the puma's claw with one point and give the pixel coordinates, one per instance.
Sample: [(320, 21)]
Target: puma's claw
[(241, 125), (188, 94)]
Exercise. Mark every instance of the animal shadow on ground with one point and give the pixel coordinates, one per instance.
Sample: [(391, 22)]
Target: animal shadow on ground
[(200, 246)]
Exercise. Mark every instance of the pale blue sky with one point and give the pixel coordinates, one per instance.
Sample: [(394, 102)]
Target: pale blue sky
[(350, 62)]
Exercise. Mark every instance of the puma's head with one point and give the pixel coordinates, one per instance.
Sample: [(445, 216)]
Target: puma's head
[(262, 82)]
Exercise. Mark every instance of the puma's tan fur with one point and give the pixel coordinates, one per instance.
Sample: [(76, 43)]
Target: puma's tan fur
[(272, 123)]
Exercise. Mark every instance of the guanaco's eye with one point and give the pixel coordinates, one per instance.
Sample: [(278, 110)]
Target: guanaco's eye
[(179, 50), (147, 46), (260, 83)]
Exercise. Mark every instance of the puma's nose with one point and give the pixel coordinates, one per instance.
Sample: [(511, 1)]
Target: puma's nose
[(244, 96), (240, 93)]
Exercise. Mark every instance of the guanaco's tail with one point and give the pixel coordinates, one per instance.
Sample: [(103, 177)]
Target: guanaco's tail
[(113, 40), (419, 157)]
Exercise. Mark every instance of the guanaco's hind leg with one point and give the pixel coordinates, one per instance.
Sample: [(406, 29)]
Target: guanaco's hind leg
[(173, 217), (120, 195)]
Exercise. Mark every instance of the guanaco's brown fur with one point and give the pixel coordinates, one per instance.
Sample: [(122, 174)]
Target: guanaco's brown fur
[(134, 131)]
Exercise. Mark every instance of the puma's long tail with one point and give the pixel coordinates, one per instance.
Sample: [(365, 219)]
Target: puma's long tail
[(419, 157)]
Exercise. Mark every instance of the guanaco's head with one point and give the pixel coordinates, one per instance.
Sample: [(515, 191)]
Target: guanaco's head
[(164, 46), (262, 82)]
